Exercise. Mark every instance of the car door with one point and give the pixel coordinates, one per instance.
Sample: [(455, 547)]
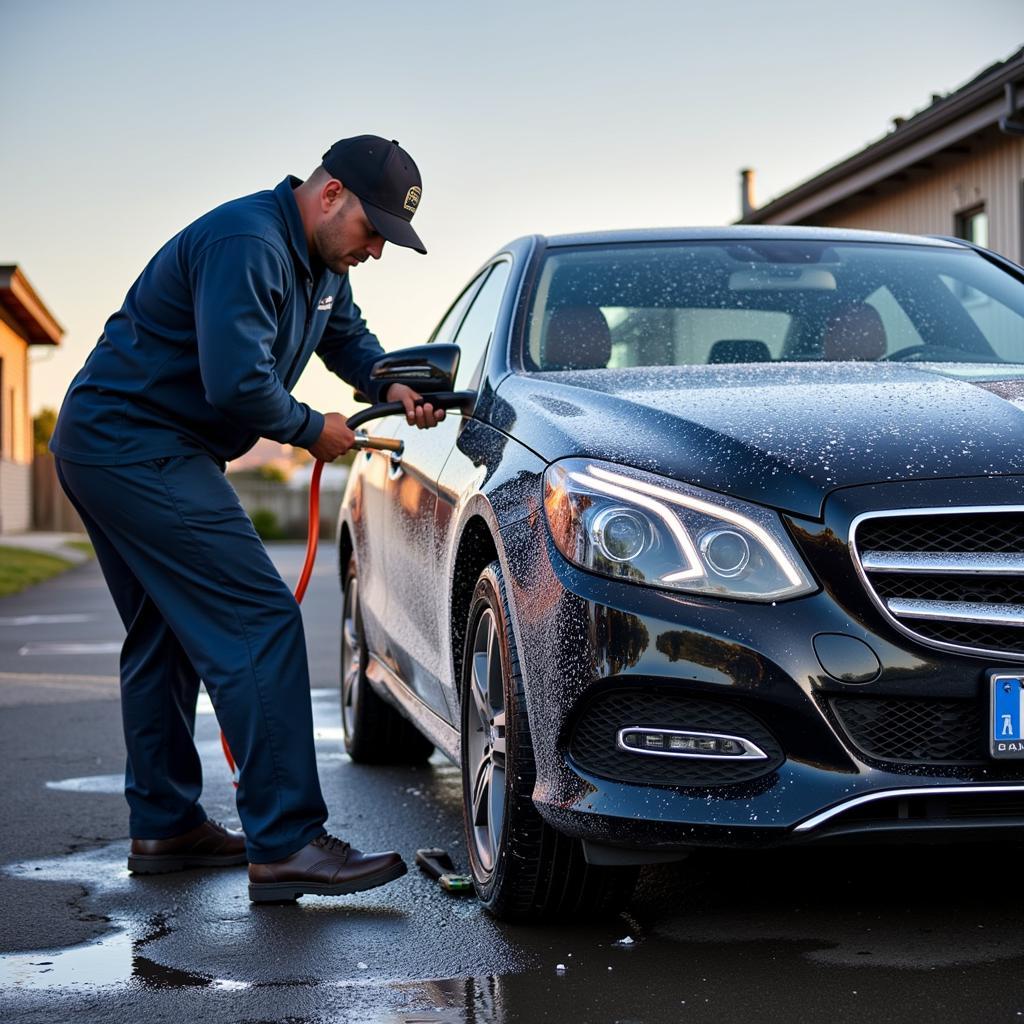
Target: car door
[(366, 497), (417, 588)]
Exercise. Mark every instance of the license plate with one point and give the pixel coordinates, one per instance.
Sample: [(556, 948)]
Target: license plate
[(1006, 721)]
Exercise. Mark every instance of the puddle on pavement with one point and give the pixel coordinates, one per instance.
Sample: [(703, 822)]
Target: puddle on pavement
[(114, 960), (681, 965)]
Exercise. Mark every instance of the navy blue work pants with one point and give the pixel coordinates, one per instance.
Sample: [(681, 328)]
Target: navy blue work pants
[(200, 599)]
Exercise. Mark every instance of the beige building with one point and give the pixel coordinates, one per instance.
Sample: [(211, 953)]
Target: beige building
[(24, 321), (955, 168)]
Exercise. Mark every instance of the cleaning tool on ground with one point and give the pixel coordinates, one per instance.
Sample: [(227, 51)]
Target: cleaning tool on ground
[(438, 864)]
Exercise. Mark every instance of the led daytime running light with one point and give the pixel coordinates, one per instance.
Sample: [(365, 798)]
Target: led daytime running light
[(715, 511), (682, 538)]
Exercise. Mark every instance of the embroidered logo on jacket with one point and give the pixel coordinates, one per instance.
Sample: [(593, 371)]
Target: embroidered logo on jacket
[(326, 302)]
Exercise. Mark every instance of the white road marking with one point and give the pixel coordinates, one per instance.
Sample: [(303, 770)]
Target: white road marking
[(41, 648), (47, 679), (43, 620), (90, 784), (334, 734)]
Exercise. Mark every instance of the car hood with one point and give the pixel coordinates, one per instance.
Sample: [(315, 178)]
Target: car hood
[(784, 434)]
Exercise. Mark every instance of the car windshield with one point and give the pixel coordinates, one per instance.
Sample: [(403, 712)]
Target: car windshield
[(758, 301)]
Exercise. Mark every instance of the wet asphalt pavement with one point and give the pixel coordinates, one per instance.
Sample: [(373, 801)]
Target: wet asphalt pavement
[(819, 934)]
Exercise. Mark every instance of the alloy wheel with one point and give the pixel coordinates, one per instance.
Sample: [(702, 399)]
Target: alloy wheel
[(486, 741), (351, 655)]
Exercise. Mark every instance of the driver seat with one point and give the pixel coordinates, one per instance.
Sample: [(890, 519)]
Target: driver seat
[(857, 333), (577, 338)]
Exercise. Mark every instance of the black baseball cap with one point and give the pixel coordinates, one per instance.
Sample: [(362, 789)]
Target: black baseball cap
[(387, 181)]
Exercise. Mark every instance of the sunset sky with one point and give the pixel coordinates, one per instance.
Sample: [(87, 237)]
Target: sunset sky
[(122, 122)]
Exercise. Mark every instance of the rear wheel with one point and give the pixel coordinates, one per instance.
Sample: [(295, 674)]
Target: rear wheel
[(373, 730), (522, 868)]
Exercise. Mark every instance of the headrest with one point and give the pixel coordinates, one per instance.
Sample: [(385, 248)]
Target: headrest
[(739, 350), (577, 338), (855, 333)]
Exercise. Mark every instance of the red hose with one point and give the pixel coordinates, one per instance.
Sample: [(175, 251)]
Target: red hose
[(312, 539), (312, 531)]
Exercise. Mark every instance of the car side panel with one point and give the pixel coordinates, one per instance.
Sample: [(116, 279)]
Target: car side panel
[(488, 477), (363, 511)]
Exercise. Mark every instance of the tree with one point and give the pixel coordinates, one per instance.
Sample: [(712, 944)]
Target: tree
[(42, 429)]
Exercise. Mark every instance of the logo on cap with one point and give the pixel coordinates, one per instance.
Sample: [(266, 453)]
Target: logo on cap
[(412, 199)]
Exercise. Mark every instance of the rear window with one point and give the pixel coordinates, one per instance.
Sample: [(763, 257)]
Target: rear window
[(696, 303)]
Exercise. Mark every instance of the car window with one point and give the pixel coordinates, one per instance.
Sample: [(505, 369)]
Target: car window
[(674, 337), (476, 329), (763, 300), (445, 330), (1001, 325)]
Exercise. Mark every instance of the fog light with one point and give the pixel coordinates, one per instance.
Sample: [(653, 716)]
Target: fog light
[(681, 743)]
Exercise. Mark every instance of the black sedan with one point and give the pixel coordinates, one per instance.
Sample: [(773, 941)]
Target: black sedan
[(728, 550)]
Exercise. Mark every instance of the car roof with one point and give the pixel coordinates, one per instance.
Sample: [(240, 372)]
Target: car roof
[(746, 232)]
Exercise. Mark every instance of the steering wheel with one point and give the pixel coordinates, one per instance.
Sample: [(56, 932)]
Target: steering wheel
[(910, 354), (926, 353)]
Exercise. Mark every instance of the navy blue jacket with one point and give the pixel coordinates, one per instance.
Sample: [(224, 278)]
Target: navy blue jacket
[(210, 340)]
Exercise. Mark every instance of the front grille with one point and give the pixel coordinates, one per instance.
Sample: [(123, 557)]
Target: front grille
[(994, 589), (912, 729), (592, 739), (950, 579), (945, 531)]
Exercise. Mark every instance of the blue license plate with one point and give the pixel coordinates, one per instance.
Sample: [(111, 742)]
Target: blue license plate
[(1006, 722)]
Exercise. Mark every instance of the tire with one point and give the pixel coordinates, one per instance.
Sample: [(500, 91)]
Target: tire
[(374, 732), (523, 870)]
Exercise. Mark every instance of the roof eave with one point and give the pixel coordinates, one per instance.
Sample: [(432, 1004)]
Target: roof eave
[(23, 305), (975, 107)]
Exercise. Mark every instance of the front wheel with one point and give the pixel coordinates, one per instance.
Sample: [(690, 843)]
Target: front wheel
[(523, 870), (374, 731)]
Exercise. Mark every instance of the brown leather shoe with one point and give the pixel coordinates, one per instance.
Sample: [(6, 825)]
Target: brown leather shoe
[(209, 845), (325, 867)]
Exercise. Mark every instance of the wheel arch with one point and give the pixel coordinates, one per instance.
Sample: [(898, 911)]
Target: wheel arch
[(476, 549), (345, 546)]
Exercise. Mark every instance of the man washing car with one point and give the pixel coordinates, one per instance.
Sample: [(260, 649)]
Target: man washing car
[(197, 365)]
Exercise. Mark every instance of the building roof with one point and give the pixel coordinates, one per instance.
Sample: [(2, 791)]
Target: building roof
[(995, 93), (19, 300)]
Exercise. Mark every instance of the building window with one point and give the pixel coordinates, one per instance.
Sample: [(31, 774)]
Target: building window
[(3, 437), (972, 225)]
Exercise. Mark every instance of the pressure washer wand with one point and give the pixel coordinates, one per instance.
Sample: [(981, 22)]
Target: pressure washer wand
[(441, 400)]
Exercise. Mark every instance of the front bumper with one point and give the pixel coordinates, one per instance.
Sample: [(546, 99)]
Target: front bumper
[(580, 636)]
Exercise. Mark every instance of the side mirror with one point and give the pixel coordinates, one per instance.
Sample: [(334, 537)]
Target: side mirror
[(427, 369)]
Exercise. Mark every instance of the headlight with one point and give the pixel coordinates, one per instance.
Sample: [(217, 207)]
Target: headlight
[(633, 525)]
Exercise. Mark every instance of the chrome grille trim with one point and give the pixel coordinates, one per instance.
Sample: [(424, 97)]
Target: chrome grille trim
[(883, 604), (953, 562), (817, 820), (958, 611)]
